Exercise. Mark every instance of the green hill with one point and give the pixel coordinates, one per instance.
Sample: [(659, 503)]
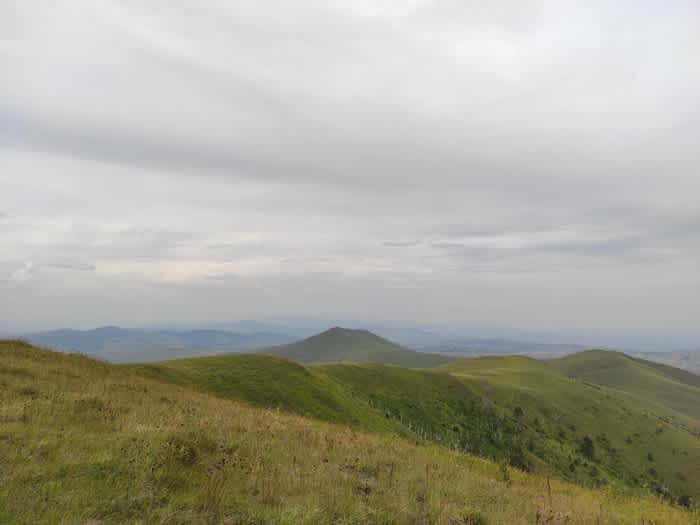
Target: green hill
[(271, 382), (635, 441), (513, 409), (683, 376), (83, 441), (378, 398), (654, 383), (359, 346)]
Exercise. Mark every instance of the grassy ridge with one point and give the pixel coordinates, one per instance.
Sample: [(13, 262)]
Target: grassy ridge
[(678, 374), (358, 346), (85, 442), (270, 382), (651, 382)]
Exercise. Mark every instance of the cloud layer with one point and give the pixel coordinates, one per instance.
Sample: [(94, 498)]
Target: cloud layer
[(527, 164)]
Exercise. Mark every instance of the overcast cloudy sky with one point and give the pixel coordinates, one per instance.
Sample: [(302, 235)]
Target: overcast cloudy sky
[(527, 164)]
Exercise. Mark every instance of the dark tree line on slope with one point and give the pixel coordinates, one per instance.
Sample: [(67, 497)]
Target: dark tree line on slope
[(480, 427)]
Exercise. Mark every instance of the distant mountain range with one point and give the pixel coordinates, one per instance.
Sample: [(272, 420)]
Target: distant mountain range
[(349, 345), (122, 345), (132, 345)]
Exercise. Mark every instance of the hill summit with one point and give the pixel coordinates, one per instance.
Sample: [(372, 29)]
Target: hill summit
[(351, 345)]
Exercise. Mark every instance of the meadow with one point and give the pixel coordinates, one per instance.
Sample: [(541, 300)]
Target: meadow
[(84, 442)]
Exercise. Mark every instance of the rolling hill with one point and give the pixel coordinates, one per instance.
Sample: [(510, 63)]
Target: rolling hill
[(515, 409), (642, 443), (376, 398), (651, 382), (359, 346), (84, 441), (270, 382)]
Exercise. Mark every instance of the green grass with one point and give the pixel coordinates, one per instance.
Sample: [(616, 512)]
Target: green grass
[(86, 442), (651, 382), (513, 409), (625, 429), (434, 406), (270, 382), (678, 374), (358, 346)]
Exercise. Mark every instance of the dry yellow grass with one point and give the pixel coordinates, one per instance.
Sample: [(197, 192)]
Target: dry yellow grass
[(85, 442)]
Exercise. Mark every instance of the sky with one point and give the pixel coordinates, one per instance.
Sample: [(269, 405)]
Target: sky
[(527, 165)]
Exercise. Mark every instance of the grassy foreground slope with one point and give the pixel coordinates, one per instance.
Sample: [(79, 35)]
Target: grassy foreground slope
[(86, 442), (652, 382), (358, 346)]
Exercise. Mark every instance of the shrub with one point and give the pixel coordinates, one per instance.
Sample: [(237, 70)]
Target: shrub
[(504, 471), (587, 448), (518, 460), (685, 501)]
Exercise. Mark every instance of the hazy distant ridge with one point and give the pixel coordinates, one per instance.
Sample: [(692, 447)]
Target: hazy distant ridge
[(121, 345)]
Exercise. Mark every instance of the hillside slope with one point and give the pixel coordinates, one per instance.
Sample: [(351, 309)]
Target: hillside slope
[(652, 382), (515, 409), (633, 440), (270, 382), (86, 442), (359, 346), (378, 398)]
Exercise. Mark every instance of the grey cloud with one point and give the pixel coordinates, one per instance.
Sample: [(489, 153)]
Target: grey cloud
[(131, 243), (29, 270), (334, 159), (480, 229), (112, 145), (396, 160), (593, 247), (684, 227), (400, 244), (224, 277), (71, 265), (614, 249), (25, 272)]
